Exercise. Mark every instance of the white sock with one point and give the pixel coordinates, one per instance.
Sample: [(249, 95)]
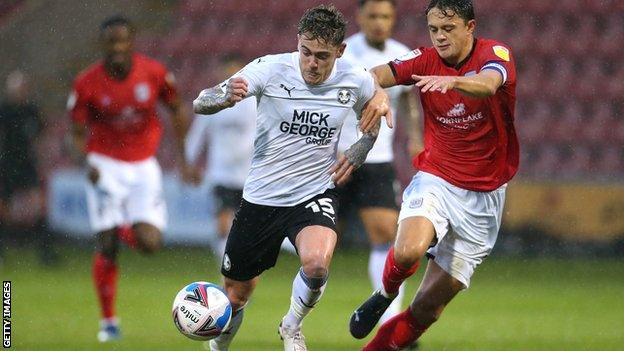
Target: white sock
[(224, 340), (376, 262), (306, 292)]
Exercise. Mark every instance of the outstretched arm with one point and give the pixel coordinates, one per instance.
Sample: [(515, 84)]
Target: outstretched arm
[(481, 85), (220, 96)]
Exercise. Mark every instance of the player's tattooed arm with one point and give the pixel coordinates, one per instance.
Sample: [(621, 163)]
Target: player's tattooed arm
[(220, 96), (355, 156)]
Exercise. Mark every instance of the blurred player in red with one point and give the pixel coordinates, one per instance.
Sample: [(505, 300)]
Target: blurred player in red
[(452, 209), (115, 126)]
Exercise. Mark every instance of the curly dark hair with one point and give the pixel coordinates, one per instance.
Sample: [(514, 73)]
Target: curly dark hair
[(462, 8), (116, 20), (324, 23)]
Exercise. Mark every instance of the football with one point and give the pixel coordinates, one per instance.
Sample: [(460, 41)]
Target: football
[(201, 311)]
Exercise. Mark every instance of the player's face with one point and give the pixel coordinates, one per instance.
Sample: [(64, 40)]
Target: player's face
[(117, 42), (317, 58), (451, 35), (376, 20)]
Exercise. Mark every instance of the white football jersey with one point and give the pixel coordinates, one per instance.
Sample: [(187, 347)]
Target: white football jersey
[(358, 52), (229, 135), (298, 126)]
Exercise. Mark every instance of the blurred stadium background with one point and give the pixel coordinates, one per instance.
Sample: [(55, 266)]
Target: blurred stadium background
[(555, 282)]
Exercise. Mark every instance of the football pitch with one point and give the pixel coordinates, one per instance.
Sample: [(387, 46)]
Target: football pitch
[(514, 304)]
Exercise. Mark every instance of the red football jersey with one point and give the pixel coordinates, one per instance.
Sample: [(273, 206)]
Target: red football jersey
[(469, 142), (121, 114)]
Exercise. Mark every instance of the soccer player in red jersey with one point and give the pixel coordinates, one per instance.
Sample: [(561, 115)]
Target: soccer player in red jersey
[(115, 126), (452, 209)]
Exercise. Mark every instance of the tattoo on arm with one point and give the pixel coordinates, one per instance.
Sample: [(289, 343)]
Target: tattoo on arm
[(211, 100), (356, 153)]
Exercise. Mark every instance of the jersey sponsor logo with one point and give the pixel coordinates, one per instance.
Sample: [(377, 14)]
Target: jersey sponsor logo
[(324, 206), (313, 125), (456, 117), (344, 96), (288, 90), (141, 92), (502, 52), (408, 56), (105, 100)]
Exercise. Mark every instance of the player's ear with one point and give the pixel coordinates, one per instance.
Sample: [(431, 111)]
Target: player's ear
[(471, 26), (341, 50)]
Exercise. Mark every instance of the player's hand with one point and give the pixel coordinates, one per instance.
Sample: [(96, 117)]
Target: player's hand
[(93, 174), (191, 175), (235, 91), (377, 107), (341, 171), (435, 83)]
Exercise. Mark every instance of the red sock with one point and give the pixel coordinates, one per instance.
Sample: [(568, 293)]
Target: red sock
[(126, 234), (393, 275), (105, 279), (397, 333)]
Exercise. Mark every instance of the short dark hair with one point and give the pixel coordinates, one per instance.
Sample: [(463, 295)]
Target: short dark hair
[(324, 23), (361, 3), (116, 20), (462, 8)]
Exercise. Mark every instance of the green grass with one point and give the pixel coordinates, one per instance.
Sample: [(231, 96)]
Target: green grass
[(512, 304)]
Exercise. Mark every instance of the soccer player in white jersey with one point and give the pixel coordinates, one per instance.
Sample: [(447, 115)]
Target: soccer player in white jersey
[(229, 138), (372, 188), (303, 98)]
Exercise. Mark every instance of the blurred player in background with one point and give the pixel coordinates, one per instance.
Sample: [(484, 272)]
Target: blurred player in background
[(116, 129), (372, 188), (303, 99), (21, 197), (230, 137), (452, 209)]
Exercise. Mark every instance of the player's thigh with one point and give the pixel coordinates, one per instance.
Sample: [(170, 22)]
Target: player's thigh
[(254, 241), (475, 219), (146, 202), (105, 198), (315, 245), (436, 290), (380, 224)]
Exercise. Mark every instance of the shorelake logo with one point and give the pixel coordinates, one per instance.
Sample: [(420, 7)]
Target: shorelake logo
[(6, 314)]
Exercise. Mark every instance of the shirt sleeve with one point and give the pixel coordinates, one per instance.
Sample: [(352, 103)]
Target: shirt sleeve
[(498, 58), (77, 104), (195, 138), (404, 66), (167, 90), (256, 74), (365, 93)]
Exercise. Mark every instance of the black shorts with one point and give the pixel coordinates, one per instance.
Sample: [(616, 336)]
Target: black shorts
[(227, 198), (372, 185), (258, 231)]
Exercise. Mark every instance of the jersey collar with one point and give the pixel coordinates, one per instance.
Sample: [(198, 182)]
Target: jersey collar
[(463, 62)]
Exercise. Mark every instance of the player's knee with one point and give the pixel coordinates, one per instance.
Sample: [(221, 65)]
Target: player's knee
[(237, 300), (148, 239), (406, 258), (315, 269)]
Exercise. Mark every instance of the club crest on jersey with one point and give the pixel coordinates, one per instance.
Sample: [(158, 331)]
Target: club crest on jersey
[(344, 96), (226, 262), (501, 52), (141, 92)]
